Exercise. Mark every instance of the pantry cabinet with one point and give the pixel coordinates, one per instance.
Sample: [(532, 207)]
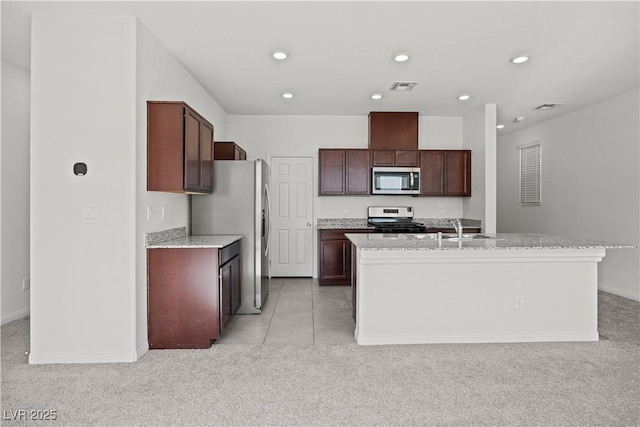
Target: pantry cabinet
[(179, 149)]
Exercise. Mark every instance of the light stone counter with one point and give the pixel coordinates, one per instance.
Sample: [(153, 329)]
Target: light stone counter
[(177, 238), (361, 223), (188, 242), (506, 241)]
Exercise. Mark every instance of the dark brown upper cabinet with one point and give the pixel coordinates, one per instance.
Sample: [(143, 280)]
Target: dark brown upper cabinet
[(228, 150), (344, 172), (396, 158), (392, 130), (179, 149), (445, 173)]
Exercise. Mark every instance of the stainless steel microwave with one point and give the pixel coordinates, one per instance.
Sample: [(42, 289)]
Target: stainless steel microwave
[(395, 180)]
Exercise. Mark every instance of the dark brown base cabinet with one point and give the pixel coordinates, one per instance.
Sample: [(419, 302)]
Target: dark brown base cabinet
[(334, 253), (189, 298)]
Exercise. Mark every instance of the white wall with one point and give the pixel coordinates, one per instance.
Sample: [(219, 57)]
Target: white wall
[(264, 136), (15, 191), (161, 77), (83, 110), (590, 184), (479, 136)]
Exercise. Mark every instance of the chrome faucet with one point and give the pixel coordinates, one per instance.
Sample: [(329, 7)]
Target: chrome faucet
[(457, 225)]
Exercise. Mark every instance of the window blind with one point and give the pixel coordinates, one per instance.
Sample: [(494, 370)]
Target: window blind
[(530, 174)]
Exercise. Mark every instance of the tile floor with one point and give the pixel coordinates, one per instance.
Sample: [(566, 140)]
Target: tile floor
[(297, 311)]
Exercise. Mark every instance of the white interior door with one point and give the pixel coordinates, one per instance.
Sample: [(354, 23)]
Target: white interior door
[(291, 216)]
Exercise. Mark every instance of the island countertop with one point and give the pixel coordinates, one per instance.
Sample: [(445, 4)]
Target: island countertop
[(499, 241), (203, 241)]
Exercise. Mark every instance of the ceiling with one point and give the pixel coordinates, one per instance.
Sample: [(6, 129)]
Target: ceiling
[(341, 52)]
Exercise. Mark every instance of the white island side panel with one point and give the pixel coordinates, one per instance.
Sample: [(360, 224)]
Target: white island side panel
[(406, 297)]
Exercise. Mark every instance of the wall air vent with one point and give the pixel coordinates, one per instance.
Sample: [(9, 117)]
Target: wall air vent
[(403, 86), (546, 107)]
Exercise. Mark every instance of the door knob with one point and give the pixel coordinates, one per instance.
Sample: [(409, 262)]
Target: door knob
[(308, 224)]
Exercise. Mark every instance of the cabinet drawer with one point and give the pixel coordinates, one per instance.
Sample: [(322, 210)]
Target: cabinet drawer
[(228, 252)]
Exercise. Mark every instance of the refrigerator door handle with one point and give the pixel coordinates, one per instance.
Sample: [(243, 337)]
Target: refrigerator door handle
[(267, 220)]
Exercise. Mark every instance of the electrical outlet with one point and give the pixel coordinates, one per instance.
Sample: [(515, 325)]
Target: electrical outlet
[(519, 302), (165, 211), (149, 212), (345, 209), (89, 215), (26, 283)]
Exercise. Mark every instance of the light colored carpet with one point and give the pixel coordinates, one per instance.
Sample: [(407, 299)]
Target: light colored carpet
[(486, 384)]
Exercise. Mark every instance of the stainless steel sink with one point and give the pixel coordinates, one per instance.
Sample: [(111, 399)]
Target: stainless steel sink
[(449, 237)]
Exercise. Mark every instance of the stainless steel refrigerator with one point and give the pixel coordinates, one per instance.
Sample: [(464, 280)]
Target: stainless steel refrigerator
[(239, 204)]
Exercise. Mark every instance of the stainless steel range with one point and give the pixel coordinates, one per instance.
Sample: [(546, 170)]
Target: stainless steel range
[(394, 219)]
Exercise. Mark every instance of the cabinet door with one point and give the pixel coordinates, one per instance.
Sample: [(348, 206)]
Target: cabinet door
[(236, 285), (332, 171), (384, 158), (457, 166), (408, 158), (391, 130), (226, 279), (432, 172), (333, 259), (183, 297), (206, 156), (358, 171), (192, 173)]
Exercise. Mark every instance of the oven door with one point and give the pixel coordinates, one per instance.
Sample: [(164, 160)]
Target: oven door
[(395, 181)]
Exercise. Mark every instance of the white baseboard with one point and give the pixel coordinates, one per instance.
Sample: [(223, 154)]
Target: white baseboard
[(16, 315), (44, 358), (620, 293), (479, 338)]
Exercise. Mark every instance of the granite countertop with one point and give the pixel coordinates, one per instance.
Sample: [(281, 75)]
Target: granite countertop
[(178, 238), (361, 223), (500, 241), (214, 241)]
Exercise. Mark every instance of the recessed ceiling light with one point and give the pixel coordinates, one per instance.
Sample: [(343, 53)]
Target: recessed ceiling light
[(520, 59), (518, 119), (401, 57), (500, 126), (464, 97), (287, 95), (280, 54), (376, 96)]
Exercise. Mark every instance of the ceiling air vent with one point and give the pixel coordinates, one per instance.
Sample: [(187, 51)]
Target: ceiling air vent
[(546, 106), (403, 86)]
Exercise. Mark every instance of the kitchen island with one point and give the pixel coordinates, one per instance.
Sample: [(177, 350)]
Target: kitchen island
[(411, 289)]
